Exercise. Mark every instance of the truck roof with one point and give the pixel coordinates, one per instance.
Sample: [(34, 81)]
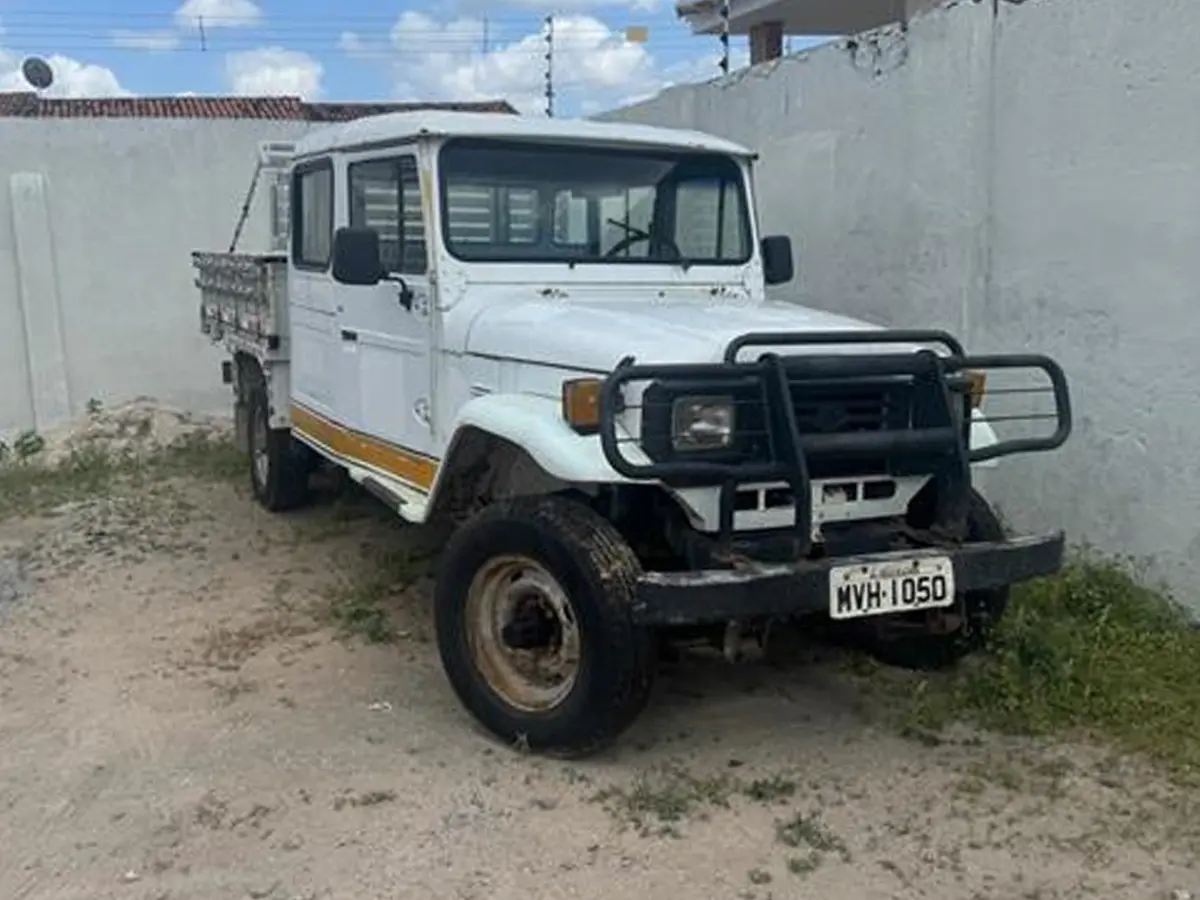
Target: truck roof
[(405, 126)]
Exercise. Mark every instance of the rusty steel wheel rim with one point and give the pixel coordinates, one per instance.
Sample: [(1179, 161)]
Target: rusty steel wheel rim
[(507, 590)]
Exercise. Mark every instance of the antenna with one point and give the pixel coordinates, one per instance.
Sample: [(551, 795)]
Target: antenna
[(38, 73), (724, 37), (550, 66)]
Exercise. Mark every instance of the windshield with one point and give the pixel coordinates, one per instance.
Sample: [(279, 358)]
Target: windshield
[(553, 203)]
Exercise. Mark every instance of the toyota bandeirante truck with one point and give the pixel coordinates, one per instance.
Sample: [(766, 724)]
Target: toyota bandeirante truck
[(554, 336)]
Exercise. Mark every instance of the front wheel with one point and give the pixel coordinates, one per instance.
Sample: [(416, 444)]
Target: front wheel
[(533, 607)]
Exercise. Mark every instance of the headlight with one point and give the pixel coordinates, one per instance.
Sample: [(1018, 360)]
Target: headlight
[(701, 423)]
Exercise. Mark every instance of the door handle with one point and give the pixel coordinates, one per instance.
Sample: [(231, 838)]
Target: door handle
[(348, 335), (404, 292), (406, 296)]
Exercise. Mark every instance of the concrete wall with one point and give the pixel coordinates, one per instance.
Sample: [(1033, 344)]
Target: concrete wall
[(1027, 176), (98, 218)]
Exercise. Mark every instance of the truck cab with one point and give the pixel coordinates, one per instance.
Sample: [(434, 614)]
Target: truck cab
[(555, 337)]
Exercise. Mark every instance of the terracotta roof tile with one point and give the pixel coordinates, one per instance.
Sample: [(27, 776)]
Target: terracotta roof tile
[(30, 106)]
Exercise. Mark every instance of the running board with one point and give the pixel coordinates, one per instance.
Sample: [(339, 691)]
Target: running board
[(382, 492)]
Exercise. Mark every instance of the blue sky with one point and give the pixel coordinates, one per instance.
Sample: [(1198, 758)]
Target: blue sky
[(359, 49)]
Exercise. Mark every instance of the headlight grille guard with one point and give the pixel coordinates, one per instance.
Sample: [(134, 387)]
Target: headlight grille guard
[(938, 427)]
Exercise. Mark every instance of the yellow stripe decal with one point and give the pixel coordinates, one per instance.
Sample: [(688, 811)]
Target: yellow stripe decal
[(410, 467)]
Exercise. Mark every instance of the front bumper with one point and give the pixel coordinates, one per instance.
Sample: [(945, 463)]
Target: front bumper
[(795, 589)]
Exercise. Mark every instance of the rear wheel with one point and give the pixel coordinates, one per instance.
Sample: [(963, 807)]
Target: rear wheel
[(943, 637), (534, 625), (279, 465)]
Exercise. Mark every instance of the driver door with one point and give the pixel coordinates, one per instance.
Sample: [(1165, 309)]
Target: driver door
[(389, 324)]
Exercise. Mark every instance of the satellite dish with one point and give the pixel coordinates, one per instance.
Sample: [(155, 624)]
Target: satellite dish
[(37, 72)]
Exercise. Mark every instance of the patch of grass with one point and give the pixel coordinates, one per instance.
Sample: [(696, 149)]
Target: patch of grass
[(366, 798), (805, 865), (660, 799), (200, 456), (770, 790), (29, 486), (665, 797), (362, 606), (803, 830), (1094, 650)]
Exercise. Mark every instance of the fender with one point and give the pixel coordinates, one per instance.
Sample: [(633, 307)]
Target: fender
[(535, 425)]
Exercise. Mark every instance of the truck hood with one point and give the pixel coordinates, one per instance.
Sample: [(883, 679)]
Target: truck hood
[(598, 335)]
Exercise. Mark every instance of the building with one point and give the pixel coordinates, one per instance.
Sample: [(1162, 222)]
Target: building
[(766, 22), (28, 105), (102, 202)]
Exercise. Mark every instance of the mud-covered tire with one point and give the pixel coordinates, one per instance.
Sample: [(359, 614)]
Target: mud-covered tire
[(980, 612), (279, 464), (597, 571)]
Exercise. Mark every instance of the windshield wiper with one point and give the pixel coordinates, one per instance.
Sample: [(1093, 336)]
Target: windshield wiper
[(633, 234), (631, 230)]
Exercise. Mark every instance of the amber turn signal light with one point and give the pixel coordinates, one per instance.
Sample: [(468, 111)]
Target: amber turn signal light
[(581, 403), (976, 387)]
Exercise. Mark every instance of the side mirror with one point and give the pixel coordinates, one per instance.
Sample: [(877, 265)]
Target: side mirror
[(356, 258), (778, 267)]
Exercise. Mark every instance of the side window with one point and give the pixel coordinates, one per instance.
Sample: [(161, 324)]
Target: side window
[(312, 213), (385, 195)]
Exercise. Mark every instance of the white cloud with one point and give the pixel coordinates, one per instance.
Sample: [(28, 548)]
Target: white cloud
[(218, 13), (72, 78), (155, 41), (274, 71), (444, 61), (351, 43)]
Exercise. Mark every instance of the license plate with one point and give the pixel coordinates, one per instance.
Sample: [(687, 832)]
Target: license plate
[(874, 589)]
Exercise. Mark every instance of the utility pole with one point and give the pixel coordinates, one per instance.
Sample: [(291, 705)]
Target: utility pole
[(724, 37), (203, 36), (485, 35), (550, 66)]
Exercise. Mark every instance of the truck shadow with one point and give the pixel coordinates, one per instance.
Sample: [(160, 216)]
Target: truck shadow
[(800, 681)]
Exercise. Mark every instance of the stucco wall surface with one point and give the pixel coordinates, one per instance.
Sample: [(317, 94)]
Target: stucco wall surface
[(1027, 176), (98, 218)]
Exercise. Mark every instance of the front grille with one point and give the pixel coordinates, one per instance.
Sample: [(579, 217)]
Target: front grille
[(842, 409), (840, 412)]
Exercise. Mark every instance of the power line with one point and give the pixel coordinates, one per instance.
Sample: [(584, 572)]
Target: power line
[(490, 29), (157, 45), (215, 38)]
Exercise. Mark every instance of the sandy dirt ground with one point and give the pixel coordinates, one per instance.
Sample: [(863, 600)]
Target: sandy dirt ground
[(179, 720)]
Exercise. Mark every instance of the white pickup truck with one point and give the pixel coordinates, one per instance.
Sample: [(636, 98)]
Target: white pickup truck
[(554, 335)]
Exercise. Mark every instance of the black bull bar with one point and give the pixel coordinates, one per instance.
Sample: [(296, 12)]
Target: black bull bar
[(937, 432)]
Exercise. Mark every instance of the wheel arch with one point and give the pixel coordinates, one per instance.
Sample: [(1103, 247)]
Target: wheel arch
[(515, 445)]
